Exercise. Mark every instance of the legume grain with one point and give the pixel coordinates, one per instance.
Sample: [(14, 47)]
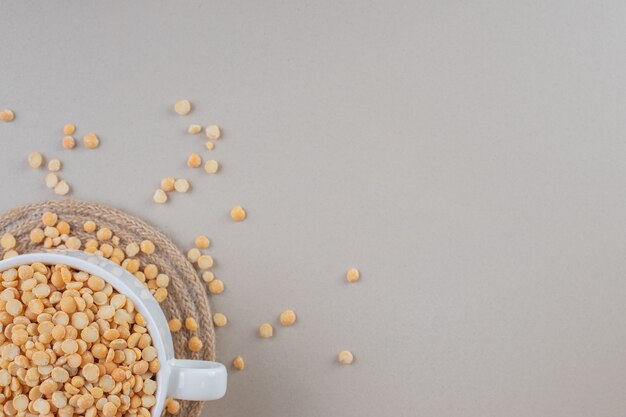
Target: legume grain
[(287, 318), (7, 115), (345, 357), (213, 132), (182, 107)]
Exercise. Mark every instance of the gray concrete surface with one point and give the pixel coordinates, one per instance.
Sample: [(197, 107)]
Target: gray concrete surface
[(468, 157)]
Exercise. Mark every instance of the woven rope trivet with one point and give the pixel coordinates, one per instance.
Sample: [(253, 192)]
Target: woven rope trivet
[(187, 295)]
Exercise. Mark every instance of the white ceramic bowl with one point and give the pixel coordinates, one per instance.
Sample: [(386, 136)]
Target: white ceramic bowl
[(179, 378)]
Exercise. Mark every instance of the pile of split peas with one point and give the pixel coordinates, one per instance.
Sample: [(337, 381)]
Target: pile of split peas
[(53, 234), (73, 345)]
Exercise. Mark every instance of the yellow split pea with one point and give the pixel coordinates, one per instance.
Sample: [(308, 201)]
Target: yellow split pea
[(345, 357), (213, 132), (237, 213), (172, 406), (167, 184), (202, 242), (195, 344), (194, 129), (37, 235), (89, 226), (182, 107), (205, 262), (175, 325), (7, 115), (287, 318), (208, 276), (35, 159), (10, 254), (62, 188), (104, 233), (181, 185), (54, 165), (194, 160), (91, 141), (51, 180), (266, 330), (159, 196), (68, 142), (7, 241), (69, 129), (191, 324), (353, 275), (147, 247), (132, 249), (216, 286), (238, 363), (211, 166), (49, 219), (220, 319), (193, 255)]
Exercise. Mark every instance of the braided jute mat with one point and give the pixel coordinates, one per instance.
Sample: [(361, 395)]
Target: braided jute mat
[(187, 293)]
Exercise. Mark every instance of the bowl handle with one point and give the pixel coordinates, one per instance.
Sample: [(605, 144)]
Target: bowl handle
[(197, 380)]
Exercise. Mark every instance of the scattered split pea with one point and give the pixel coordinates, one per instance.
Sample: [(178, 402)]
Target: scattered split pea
[(194, 129), (159, 196), (205, 262), (49, 219), (172, 406), (181, 185), (7, 115), (237, 213), (287, 318), (182, 107), (147, 247), (10, 254), (37, 235), (353, 275), (89, 226), (91, 141), (194, 344), (62, 188), (132, 249), (193, 255), (167, 184), (213, 132), (54, 165), (211, 166), (51, 180), (35, 159), (104, 233), (202, 242), (266, 330), (220, 319), (345, 357), (208, 276), (69, 129), (7, 241), (191, 324), (175, 325), (194, 160), (216, 286), (238, 363), (68, 142)]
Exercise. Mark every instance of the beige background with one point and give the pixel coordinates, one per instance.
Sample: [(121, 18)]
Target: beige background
[(468, 157)]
